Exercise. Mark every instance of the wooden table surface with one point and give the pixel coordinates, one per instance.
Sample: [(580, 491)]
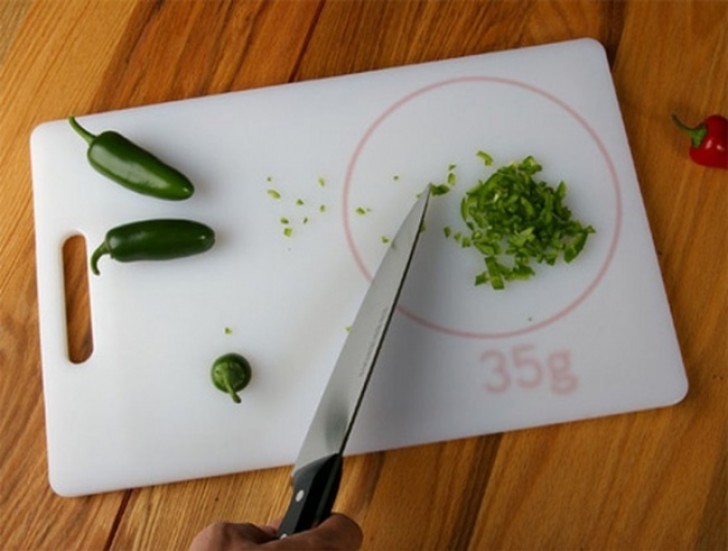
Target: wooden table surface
[(651, 480)]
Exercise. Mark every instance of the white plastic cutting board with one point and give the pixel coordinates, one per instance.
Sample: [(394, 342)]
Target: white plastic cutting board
[(582, 340)]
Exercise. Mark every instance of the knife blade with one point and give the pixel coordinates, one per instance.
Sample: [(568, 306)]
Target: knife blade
[(317, 471)]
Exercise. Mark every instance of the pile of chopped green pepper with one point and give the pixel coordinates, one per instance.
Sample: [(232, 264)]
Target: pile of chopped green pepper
[(514, 220)]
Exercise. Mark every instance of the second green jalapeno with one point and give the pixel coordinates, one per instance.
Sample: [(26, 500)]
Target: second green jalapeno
[(126, 163), (160, 239)]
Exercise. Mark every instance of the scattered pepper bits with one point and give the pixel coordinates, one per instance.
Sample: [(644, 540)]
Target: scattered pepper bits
[(289, 219)]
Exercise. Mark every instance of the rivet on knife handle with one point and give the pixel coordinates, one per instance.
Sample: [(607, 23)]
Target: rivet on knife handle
[(314, 490)]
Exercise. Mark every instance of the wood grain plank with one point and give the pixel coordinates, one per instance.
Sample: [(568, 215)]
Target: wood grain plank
[(170, 516), (425, 497), (566, 488), (688, 211), (178, 50), (552, 21), (12, 14), (46, 69), (360, 36)]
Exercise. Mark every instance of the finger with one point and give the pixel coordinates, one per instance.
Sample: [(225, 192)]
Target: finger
[(342, 529), (251, 532), (229, 536), (275, 524), (270, 529), (336, 533)]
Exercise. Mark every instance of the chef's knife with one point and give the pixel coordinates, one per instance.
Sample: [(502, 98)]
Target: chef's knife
[(317, 471)]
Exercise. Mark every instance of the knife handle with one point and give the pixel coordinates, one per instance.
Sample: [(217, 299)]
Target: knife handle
[(314, 490)]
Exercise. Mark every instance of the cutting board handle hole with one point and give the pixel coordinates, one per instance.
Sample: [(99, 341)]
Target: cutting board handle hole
[(78, 307)]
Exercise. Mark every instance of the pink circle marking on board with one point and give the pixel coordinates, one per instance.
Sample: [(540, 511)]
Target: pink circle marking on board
[(509, 82)]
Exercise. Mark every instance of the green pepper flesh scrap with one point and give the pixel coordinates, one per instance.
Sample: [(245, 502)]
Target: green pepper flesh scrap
[(440, 189), (231, 373), (127, 164)]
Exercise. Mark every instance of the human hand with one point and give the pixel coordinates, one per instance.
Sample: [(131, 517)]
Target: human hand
[(336, 533)]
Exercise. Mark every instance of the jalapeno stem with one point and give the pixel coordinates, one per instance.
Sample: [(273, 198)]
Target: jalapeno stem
[(100, 251), (81, 131), (697, 133), (230, 389)]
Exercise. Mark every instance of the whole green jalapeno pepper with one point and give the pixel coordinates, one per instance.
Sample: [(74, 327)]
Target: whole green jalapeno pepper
[(154, 240), (126, 163), (231, 373)]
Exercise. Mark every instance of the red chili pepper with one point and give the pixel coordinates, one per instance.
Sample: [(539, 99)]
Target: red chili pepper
[(709, 141)]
